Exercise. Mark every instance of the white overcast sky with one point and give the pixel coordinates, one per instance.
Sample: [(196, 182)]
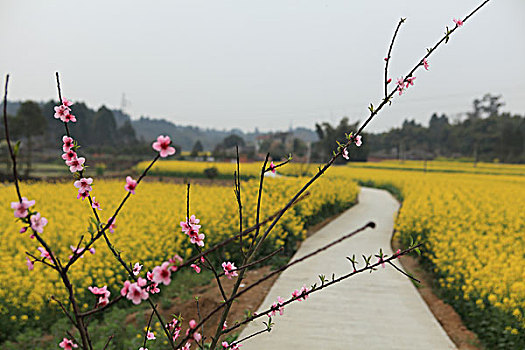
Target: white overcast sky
[(264, 63)]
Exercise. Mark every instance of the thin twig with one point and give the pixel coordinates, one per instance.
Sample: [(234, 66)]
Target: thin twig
[(107, 343), (147, 329), (255, 262), (64, 310), (11, 153), (401, 21)]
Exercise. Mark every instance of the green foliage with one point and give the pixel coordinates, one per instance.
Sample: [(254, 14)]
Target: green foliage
[(485, 135), (211, 173), (330, 137)]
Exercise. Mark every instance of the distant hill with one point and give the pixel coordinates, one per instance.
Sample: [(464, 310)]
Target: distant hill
[(186, 136), (147, 129)]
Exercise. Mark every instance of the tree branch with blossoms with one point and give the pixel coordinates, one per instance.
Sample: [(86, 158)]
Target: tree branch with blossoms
[(138, 289)]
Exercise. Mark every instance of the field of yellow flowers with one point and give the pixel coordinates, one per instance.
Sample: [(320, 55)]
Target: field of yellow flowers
[(147, 231), (471, 220), (473, 227), (225, 170)]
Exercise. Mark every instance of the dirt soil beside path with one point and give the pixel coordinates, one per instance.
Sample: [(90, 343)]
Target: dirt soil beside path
[(444, 313)]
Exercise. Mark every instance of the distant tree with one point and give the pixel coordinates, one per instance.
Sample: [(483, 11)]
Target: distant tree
[(197, 147), (29, 122), (326, 144), (232, 141), (126, 133), (104, 127), (299, 147)]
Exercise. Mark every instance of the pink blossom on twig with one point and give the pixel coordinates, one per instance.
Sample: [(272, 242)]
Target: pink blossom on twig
[(68, 143), (162, 145), (21, 207), (67, 344), (458, 22), (130, 185), (228, 269), (162, 273), (76, 164), (38, 223), (137, 268), (30, 264)]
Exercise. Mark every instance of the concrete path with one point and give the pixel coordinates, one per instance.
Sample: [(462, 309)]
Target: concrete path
[(382, 310)]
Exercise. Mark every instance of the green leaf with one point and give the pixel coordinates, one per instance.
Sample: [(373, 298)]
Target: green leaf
[(16, 148)]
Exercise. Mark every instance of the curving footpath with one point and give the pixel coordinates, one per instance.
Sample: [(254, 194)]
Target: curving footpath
[(381, 310)]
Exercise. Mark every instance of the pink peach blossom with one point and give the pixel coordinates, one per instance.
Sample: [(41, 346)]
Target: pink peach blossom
[(30, 264), (82, 195), (68, 118), (153, 288), (95, 204), (100, 291), (38, 223), (150, 336), (68, 143), (358, 140), (162, 273), (69, 155), (66, 102), (196, 268), (137, 268), (425, 63), (458, 22), (280, 301), (112, 226), (61, 111), (228, 269), (272, 167), (44, 253), (84, 184), (346, 154), (124, 291), (136, 294), (21, 207), (197, 239), (142, 282), (410, 81), (76, 164), (400, 85), (67, 344), (130, 185), (162, 145)]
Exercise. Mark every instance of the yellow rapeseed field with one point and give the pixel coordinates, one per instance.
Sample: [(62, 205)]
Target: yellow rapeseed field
[(147, 231), (473, 227), (225, 170)]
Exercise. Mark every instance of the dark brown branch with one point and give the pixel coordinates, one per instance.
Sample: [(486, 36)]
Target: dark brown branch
[(267, 329), (147, 329), (401, 21), (255, 262), (259, 196), (64, 310), (237, 190), (102, 308), (8, 139), (403, 272), (107, 343)]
